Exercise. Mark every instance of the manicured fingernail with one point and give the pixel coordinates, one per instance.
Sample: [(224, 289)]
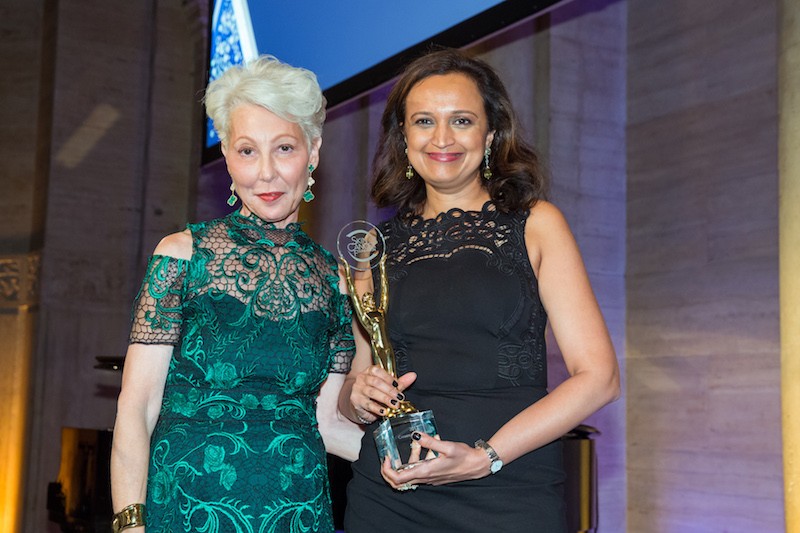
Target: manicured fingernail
[(394, 402), (381, 411), (416, 435), (394, 384), (401, 397)]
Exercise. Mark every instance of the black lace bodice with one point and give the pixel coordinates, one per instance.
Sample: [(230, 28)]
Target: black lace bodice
[(464, 310)]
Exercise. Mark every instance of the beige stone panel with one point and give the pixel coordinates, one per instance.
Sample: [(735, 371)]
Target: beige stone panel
[(697, 330), (746, 422), (683, 285), (666, 404), (686, 53), (701, 511), (703, 206), (755, 373), (741, 508), (725, 138)]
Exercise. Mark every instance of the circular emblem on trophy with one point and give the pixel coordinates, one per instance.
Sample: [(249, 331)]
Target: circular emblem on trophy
[(361, 245)]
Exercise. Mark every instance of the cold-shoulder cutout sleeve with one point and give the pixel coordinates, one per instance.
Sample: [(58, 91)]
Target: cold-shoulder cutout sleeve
[(158, 309), (177, 245)]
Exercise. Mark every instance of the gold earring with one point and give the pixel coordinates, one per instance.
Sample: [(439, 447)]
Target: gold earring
[(487, 172), (409, 168)]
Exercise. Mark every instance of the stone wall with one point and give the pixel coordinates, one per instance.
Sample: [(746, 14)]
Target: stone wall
[(703, 353), (123, 160)]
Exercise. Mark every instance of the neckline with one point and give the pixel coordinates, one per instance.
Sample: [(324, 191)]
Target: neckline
[(455, 213), (254, 220)]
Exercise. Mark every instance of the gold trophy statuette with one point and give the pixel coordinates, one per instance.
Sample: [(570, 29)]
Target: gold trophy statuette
[(363, 243), (373, 318)]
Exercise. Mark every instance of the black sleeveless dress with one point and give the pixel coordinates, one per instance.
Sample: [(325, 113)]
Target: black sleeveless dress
[(465, 314)]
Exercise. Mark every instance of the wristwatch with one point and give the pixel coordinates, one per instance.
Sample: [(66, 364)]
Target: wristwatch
[(496, 462)]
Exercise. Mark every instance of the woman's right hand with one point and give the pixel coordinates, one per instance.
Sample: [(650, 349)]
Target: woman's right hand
[(374, 390)]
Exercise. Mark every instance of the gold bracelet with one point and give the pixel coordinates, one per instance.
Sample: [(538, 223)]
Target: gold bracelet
[(130, 516)]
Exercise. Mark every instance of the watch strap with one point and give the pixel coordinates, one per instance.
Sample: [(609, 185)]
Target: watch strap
[(495, 462)]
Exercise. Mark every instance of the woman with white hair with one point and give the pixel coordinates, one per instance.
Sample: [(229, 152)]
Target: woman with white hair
[(241, 338)]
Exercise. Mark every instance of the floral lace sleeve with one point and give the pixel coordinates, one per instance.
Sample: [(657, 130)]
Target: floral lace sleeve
[(157, 311), (343, 347)]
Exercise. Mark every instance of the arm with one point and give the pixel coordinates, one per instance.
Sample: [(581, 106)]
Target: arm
[(341, 436), (581, 333), (139, 403)]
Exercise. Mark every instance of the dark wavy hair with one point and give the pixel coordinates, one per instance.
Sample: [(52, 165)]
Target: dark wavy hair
[(518, 179)]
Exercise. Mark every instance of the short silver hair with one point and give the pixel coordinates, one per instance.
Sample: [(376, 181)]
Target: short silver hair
[(292, 93)]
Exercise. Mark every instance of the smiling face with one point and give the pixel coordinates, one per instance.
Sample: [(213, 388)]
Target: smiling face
[(268, 158), (447, 131)]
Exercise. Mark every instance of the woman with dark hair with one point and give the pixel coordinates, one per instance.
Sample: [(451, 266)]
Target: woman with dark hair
[(518, 179), (478, 262)]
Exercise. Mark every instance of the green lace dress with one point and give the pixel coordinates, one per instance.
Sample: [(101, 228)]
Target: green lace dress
[(258, 322)]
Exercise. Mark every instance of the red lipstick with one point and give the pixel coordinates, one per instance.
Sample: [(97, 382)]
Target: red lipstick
[(444, 157), (270, 196)]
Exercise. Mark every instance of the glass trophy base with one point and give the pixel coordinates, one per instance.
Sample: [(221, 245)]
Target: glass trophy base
[(393, 438)]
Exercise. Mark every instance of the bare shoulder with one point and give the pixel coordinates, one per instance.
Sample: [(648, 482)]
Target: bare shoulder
[(178, 245), (545, 219), (546, 232), (546, 226)]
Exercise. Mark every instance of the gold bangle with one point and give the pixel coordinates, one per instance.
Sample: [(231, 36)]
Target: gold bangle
[(131, 516)]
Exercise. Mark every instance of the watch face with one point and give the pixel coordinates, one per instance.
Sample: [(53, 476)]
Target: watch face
[(496, 466)]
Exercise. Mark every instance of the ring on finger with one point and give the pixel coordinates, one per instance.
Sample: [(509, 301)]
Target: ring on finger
[(363, 420), (407, 486)]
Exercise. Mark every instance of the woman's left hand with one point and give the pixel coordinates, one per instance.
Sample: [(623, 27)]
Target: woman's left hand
[(456, 462)]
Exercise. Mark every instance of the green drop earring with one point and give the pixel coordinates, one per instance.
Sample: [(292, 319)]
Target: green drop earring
[(308, 195), (232, 198)]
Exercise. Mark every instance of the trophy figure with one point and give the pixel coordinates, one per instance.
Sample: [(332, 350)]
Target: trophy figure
[(364, 243)]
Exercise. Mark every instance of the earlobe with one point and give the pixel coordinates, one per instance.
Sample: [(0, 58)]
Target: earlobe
[(313, 157)]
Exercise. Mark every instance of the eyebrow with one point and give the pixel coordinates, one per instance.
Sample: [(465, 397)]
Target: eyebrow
[(277, 138), (454, 112)]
